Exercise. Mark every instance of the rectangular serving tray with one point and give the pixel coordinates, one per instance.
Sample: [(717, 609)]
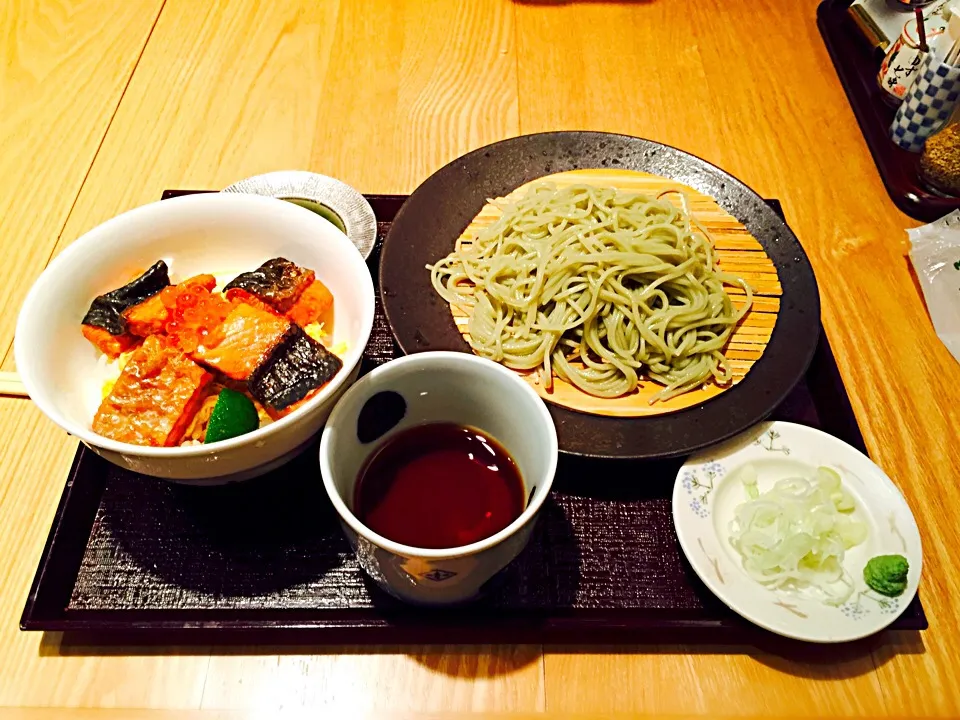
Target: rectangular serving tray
[(136, 558), (857, 64)]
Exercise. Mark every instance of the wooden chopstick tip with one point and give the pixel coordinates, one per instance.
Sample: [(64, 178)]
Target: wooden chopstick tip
[(11, 385)]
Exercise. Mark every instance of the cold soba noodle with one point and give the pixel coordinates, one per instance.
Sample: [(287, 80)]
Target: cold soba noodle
[(597, 286)]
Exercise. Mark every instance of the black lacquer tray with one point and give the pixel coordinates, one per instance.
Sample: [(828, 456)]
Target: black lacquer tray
[(136, 558), (857, 64)]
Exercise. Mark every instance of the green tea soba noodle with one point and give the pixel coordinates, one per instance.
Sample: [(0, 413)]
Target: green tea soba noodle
[(597, 286)]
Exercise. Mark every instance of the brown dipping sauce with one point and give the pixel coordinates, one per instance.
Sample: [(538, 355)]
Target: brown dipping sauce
[(439, 486)]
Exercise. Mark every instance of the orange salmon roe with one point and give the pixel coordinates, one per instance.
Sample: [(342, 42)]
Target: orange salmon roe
[(196, 314)]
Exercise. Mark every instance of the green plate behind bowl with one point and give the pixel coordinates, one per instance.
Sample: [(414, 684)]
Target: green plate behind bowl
[(321, 210)]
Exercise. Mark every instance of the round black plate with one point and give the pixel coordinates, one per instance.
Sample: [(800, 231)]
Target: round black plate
[(440, 209)]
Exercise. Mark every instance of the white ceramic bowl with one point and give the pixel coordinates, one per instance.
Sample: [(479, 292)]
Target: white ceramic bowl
[(212, 233), (441, 387)]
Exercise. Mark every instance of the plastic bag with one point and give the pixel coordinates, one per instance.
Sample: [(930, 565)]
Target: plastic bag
[(935, 254)]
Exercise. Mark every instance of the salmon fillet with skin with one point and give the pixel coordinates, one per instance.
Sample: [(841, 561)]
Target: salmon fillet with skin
[(276, 414), (155, 398), (242, 296), (106, 311), (242, 341), (294, 371), (278, 282)]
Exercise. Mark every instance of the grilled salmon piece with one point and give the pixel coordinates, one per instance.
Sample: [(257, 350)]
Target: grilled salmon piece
[(313, 305), (295, 369), (104, 324), (110, 345), (277, 414), (155, 397), (236, 295), (148, 318), (240, 344), (106, 311), (278, 282)]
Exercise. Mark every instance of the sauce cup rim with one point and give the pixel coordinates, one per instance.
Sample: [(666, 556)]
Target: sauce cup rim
[(472, 364)]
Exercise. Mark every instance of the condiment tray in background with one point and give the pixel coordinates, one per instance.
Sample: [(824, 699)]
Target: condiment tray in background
[(857, 64)]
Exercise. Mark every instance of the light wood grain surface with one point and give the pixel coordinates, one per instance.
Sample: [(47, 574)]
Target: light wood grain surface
[(65, 67), (105, 104)]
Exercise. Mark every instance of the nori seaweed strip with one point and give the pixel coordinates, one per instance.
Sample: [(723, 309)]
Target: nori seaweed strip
[(106, 311), (278, 282), (297, 365)]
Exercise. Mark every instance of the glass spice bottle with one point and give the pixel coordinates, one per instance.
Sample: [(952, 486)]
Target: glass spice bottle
[(940, 160)]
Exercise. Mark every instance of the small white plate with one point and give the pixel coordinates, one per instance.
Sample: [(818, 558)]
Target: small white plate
[(708, 490)]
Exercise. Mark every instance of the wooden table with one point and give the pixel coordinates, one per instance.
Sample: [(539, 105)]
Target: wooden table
[(106, 103)]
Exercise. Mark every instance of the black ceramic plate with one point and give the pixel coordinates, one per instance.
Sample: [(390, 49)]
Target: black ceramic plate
[(440, 209)]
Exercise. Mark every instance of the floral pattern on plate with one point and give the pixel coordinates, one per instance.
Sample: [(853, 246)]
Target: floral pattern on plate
[(855, 608), (699, 483), (707, 492), (770, 441)]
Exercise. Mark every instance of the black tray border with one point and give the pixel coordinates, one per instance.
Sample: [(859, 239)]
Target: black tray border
[(46, 608)]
